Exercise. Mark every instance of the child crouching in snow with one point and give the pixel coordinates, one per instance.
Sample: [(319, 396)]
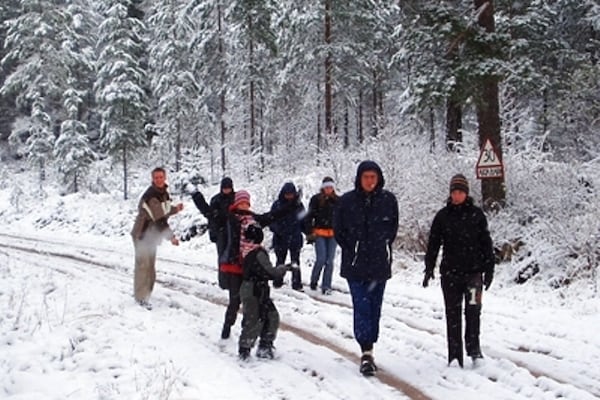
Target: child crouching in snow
[(260, 315)]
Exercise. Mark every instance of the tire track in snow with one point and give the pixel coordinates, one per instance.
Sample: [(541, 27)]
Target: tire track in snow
[(402, 386), (215, 299)]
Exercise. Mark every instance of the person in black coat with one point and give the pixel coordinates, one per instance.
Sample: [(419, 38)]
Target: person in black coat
[(217, 213), (260, 314), (365, 223), (318, 225), (467, 266), (287, 231)]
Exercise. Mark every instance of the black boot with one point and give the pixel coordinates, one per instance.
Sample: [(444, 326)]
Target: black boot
[(244, 353), (367, 364), (265, 350), (226, 331)]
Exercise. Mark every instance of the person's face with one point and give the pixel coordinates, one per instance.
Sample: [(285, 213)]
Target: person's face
[(458, 197), (368, 181), (158, 179), (289, 196), (244, 206), (226, 190), (328, 191)]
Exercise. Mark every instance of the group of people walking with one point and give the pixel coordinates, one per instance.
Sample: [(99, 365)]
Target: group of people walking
[(363, 222)]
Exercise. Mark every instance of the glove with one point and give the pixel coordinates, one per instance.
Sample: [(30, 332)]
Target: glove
[(488, 277), (428, 276), (310, 238), (277, 283), (292, 267)]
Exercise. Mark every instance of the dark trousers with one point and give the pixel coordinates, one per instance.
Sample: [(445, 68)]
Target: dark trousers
[(367, 298), (233, 286), (281, 254), (456, 289), (260, 315)]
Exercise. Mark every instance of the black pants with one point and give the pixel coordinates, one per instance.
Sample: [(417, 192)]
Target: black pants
[(457, 288), (233, 286), (281, 254)]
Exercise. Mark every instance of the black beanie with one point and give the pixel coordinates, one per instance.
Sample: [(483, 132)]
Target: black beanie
[(459, 182), (254, 233), (226, 183)]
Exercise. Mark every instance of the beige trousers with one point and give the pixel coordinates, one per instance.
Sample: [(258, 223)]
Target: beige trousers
[(144, 273)]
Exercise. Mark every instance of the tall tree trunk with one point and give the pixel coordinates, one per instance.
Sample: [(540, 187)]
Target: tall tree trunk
[(453, 104), (319, 134), (374, 128), (252, 105), (453, 123), (328, 72), (125, 172), (346, 126), (178, 146), (222, 89), (361, 134), (488, 116), (431, 129)]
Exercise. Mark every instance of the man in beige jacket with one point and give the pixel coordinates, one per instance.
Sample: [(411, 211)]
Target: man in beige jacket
[(150, 228)]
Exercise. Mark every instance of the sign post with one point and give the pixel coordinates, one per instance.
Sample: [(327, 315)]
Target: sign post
[(489, 165)]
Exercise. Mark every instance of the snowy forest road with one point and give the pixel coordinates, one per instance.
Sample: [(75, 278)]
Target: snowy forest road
[(408, 326)]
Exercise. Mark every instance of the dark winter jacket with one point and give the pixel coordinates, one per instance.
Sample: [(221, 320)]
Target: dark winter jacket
[(365, 226), (463, 232), (216, 212), (258, 267), (219, 207), (320, 213), (287, 231), (154, 210)]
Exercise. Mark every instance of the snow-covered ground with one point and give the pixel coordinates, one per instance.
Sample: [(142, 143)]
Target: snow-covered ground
[(69, 328)]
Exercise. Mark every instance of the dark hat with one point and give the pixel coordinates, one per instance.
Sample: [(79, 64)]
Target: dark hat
[(254, 234), (459, 182), (226, 183)]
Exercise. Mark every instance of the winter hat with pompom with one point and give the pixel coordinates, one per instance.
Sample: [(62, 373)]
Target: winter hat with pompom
[(241, 196)]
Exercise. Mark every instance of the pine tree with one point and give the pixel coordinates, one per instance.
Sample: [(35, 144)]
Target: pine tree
[(173, 82), (120, 84), (257, 49), (72, 148), (34, 42), (8, 10), (39, 144)]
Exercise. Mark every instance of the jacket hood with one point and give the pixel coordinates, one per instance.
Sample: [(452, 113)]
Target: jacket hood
[(288, 187), (369, 165)]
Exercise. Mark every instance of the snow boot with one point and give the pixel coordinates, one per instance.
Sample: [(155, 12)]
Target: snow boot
[(367, 364), (226, 331), (475, 356), (265, 350), (146, 304), (244, 353), (458, 358)]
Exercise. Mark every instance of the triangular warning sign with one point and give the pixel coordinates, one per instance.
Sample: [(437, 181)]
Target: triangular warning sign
[(489, 156)]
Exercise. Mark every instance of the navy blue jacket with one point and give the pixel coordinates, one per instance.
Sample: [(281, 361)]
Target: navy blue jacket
[(287, 231), (365, 226)]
